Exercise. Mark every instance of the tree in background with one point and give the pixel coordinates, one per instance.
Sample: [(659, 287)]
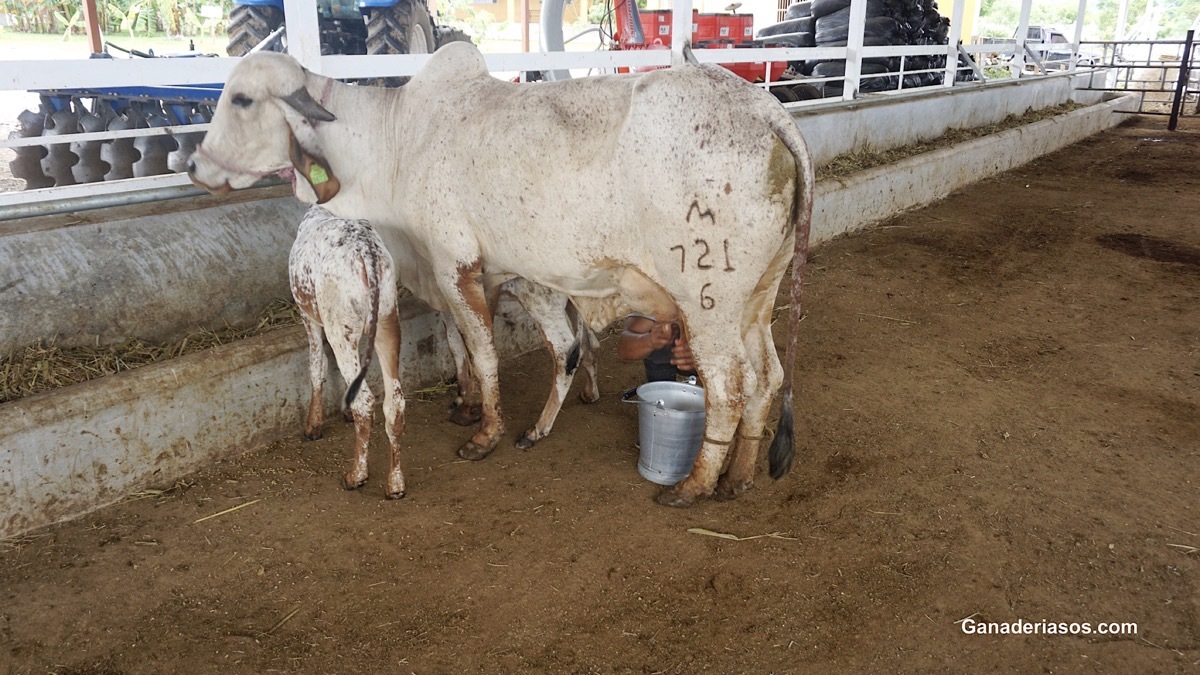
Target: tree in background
[(1146, 19), (135, 17)]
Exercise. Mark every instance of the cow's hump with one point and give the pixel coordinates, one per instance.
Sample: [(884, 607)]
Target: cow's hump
[(454, 61)]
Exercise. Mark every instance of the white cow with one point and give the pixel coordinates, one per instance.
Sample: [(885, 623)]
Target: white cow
[(344, 284), (681, 193)]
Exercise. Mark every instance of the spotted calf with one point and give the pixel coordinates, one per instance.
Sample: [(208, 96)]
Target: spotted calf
[(343, 280)]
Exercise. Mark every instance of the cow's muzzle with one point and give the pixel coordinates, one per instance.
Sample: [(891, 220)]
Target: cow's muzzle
[(220, 190)]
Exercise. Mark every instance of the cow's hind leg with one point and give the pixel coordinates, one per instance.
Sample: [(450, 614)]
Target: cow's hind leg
[(764, 359), (721, 361), (317, 365), (739, 475), (345, 351), (387, 347)]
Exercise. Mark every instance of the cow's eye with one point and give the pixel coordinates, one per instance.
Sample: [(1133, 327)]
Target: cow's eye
[(242, 101)]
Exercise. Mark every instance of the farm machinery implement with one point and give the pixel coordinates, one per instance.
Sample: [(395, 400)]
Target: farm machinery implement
[(808, 23), (346, 27), (89, 111)]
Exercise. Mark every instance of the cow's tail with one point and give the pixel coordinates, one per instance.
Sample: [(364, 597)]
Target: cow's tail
[(373, 276), (780, 455)]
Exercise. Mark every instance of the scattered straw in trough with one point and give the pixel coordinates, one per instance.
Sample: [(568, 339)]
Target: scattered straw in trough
[(851, 162), (42, 367)]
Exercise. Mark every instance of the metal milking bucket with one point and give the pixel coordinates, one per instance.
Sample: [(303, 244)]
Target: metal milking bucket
[(670, 429)]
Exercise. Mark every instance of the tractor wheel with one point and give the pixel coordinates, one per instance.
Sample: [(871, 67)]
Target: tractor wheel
[(785, 94), (250, 25), (403, 28), (446, 35)]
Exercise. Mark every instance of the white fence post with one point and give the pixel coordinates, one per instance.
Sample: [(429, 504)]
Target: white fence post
[(854, 48), (303, 32), (956, 22), (681, 25)]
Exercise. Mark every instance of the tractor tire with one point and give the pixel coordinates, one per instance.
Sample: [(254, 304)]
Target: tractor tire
[(445, 35), (785, 94), (403, 28), (250, 25)]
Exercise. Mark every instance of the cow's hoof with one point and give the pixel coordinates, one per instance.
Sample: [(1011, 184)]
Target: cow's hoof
[(347, 416), (466, 415), (474, 452), (728, 489), (673, 497), (589, 397), (352, 482), (394, 495), (313, 435)]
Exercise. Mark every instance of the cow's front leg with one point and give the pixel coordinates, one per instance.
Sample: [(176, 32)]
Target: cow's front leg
[(474, 319)]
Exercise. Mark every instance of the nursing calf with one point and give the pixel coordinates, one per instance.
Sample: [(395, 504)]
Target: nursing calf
[(343, 280)]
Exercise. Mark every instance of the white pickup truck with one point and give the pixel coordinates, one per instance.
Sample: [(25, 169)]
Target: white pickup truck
[(1054, 49)]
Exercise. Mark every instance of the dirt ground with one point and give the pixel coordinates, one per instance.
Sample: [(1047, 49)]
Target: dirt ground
[(999, 418)]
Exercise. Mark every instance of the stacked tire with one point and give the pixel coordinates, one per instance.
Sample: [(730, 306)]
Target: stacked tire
[(826, 23)]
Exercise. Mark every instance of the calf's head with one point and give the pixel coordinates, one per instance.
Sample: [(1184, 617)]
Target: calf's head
[(264, 124)]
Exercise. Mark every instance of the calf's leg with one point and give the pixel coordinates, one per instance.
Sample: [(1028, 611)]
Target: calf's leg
[(465, 409), (387, 347), (345, 352), (317, 365), (548, 311)]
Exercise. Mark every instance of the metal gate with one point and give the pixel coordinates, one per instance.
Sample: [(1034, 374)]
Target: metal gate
[(1160, 71)]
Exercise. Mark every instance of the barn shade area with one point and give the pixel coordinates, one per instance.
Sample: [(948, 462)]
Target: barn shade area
[(997, 414)]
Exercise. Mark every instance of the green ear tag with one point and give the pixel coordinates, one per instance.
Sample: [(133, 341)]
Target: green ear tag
[(317, 175)]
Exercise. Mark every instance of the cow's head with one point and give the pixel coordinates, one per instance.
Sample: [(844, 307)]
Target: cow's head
[(263, 125)]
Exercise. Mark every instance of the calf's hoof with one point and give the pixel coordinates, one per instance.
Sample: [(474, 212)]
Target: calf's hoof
[(347, 416), (314, 435), (470, 450), (351, 482), (397, 494), (589, 397), (730, 489), (466, 415), (673, 497), (528, 440)]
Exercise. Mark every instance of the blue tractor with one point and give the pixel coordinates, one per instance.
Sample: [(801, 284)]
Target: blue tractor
[(347, 27)]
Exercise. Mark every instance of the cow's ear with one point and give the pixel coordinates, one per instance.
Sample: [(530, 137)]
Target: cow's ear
[(302, 102), (315, 170)]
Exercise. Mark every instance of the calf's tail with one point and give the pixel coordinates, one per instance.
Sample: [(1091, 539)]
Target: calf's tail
[(373, 276), (782, 450)]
